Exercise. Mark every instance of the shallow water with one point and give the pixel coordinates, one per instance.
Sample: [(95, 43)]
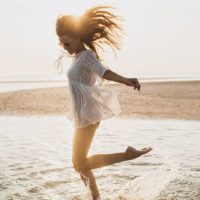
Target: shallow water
[(8, 86), (35, 160)]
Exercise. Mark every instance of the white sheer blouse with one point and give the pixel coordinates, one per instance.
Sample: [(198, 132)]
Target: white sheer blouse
[(90, 101)]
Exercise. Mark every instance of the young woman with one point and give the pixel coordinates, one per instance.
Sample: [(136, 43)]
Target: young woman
[(80, 37)]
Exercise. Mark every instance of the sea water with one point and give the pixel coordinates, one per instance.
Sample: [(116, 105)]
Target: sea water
[(14, 83), (35, 159)]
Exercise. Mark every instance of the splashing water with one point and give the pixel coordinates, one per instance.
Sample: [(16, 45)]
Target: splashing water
[(150, 184)]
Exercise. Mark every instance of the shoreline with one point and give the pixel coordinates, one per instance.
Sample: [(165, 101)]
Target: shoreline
[(156, 100), (11, 114)]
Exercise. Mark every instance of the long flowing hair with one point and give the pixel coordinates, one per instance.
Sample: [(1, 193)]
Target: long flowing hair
[(96, 26)]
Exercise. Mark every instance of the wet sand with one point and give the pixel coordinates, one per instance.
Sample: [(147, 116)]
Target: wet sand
[(174, 100)]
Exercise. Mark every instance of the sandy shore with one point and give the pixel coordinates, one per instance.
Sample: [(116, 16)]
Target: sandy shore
[(175, 100)]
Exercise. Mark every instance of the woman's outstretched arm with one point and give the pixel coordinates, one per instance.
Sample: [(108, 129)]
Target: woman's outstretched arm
[(112, 76)]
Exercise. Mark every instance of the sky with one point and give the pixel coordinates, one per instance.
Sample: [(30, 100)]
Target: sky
[(162, 37)]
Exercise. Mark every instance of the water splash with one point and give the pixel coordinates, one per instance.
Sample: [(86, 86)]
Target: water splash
[(149, 185), (85, 191)]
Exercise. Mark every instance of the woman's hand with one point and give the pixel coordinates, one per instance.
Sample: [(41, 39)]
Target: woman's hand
[(112, 76), (133, 82)]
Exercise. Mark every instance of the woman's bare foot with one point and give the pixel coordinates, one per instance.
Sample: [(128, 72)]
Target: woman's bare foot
[(133, 153)]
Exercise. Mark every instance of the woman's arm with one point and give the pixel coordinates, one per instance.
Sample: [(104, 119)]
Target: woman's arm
[(112, 76)]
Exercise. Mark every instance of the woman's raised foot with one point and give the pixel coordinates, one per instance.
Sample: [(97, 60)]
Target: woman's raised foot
[(133, 153)]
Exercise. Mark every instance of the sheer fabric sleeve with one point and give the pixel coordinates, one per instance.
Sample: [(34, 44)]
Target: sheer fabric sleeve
[(94, 65)]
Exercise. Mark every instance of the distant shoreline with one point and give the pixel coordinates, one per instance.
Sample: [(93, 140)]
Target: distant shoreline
[(154, 79), (26, 85)]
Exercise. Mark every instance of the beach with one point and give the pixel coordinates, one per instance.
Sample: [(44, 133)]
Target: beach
[(159, 100), (36, 144)]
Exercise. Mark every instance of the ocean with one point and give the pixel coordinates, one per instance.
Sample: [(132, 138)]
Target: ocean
[(35, 159), (21, 83)]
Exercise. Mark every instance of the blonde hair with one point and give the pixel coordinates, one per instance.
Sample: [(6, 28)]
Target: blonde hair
[(94, 27)]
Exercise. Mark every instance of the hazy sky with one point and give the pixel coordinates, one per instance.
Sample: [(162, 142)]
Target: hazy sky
[(162, 36)]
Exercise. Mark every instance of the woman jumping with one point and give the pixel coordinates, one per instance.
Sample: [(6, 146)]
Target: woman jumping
[(81, 37)]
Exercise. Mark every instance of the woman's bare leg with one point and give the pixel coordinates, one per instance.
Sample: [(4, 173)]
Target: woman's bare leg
[(81, 143), (84, 165), (102, 160)]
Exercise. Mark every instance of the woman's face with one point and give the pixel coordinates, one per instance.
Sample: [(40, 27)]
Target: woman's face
[(69, 43)]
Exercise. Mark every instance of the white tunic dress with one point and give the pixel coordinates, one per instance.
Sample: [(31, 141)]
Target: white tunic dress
[(90, 101)]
